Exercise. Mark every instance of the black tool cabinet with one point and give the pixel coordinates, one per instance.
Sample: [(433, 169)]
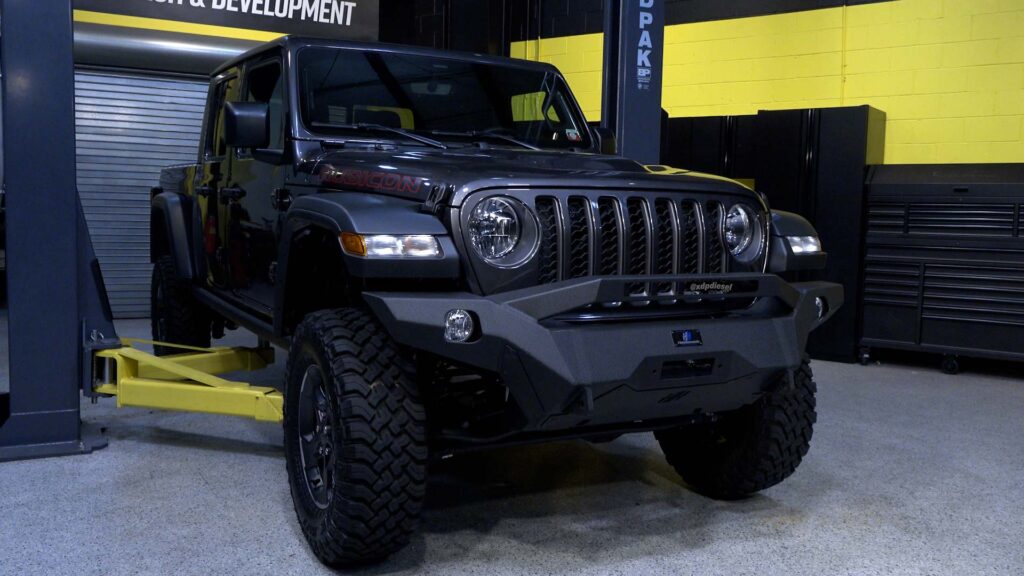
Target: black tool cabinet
[(813, 162), (944, 261)]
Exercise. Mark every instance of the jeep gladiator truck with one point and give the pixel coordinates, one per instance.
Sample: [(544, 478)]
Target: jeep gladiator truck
[(455, 260)]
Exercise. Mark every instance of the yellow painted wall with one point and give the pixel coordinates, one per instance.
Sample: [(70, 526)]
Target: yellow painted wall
[(948, 73)]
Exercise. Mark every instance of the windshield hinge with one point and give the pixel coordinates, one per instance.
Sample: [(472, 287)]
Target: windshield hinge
[(438, 197)]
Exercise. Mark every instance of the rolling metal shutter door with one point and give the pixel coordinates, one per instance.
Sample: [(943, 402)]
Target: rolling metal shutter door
[(127, 129)]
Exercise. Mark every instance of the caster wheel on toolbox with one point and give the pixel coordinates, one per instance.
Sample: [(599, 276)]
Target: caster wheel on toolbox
[(950, 365), (864, 357)]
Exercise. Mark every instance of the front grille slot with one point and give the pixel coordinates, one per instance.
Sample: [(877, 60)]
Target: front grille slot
[(665, 252), (609, 259), (550, 239), (638, 260), (714, 261), (690, 231), (581, 238)]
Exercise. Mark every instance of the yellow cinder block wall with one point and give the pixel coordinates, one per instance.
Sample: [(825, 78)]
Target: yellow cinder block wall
[(948, 73)]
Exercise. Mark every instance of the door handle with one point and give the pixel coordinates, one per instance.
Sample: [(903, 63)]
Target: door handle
[(234, 193), (204, 191), (281, 199)]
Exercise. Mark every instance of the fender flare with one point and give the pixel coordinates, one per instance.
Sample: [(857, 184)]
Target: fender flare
[(171, 228), (339, 212)]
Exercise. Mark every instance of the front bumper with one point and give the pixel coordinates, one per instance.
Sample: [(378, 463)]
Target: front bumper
[(567, 375)]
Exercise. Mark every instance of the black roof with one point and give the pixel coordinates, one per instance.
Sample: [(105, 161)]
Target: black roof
[(290, 43)]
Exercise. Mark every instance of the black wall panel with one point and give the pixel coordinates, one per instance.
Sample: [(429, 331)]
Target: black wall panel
[(722, 145), (572, 17), (417, 22), (490, 25), (484, 26)]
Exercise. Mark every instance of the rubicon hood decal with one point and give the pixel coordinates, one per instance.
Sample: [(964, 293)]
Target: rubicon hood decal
[(373, 181)]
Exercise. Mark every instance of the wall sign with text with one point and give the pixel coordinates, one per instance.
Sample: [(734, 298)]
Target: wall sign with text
[(342, 19)]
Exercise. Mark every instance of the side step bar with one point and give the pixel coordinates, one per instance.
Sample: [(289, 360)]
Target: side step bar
[(187, 382)]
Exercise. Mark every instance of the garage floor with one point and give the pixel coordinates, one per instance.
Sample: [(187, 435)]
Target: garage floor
[(910, 472)]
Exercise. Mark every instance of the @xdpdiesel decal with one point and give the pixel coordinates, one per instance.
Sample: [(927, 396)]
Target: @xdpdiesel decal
[(710, 288)]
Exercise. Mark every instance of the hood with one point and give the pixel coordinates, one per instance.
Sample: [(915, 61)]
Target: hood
[(414, 174)]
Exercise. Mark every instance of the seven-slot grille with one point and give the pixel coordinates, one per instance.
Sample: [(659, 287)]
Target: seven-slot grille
[(606, 235)]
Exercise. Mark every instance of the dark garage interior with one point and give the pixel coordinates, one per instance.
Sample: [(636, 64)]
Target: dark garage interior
[(512, 287)]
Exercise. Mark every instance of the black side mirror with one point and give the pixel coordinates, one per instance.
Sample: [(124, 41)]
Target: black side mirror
[(247, 124), (606, 140)]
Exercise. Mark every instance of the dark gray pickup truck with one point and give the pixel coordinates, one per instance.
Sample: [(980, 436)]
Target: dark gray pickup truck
[(454, 260)]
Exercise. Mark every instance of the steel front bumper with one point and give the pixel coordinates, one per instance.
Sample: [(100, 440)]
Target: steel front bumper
[(570, 374)]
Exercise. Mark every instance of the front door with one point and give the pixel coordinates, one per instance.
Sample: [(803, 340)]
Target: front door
[(255, 199), (213, 177)]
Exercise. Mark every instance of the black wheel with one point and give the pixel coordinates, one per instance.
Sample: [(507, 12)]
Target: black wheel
[(176, 316), (355, 438), (750, 449), (950, 365)]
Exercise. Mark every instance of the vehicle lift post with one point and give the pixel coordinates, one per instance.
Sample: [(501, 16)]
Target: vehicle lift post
[(61, 333), (634, 52), (52, 298)]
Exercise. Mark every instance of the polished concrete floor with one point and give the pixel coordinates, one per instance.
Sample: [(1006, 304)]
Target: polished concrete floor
[(910, 472)]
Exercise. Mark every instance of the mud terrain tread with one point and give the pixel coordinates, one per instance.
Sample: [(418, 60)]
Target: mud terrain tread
[(751, 449), (382, 459)]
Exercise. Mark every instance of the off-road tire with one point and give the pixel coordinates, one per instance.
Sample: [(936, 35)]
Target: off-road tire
[(750, 449), (176, 316), (377, 438)]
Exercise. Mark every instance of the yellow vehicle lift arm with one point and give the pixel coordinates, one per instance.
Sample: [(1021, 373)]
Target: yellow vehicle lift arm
[(187, 381)]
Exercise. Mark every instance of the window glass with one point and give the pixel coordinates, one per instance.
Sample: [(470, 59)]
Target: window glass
[(266, 84), (530, 107), (432, 95), (216, 144)]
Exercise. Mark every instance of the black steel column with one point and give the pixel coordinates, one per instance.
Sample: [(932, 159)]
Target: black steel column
[(43, 239), (634, 48)]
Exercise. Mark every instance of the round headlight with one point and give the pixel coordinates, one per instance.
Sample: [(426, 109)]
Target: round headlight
[(739, 228), (494, 228), (503, 231)]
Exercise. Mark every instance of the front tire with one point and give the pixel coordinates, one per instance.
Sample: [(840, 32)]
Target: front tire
[(355, 438), (750, 449), (177, 318)]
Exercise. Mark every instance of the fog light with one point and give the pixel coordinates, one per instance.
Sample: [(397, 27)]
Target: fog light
[(458, 326), (822, 307)]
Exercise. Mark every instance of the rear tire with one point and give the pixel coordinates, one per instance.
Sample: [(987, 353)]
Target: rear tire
[(355, 438), (750, 449), (176, 316)]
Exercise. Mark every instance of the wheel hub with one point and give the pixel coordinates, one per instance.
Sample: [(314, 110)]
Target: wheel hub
[(316, 437)]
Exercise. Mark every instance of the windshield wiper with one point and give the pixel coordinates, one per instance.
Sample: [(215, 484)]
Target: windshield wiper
[(365, 127), (484, 134)]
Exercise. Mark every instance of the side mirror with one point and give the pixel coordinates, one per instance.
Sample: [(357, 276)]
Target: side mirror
[(606, 140), (247, 124)]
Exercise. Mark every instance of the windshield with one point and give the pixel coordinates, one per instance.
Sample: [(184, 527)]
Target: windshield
[(450, 100)]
